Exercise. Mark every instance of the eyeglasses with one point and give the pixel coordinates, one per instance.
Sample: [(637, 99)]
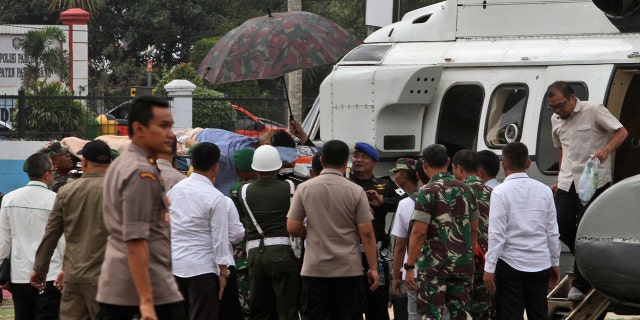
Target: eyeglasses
[(558, 106)]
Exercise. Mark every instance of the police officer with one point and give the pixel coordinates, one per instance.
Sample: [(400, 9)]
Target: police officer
[(273, 269), (383, 197)]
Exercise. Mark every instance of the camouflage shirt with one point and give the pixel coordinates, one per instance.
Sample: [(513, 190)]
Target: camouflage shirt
[(482, 193), (239, 250), (447, 206)]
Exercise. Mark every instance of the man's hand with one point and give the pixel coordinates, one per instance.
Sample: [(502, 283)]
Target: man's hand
[(223, 283), (374, 279), (554, 188), (295, 128), (489, 283), (148, 312), (59, 282), (601, 154), (409, 280), (375, 199), (5, 285), (555, 277), (38, 280), (396, 285)]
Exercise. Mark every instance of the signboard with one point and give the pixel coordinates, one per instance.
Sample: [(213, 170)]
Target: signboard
[(12, 63)]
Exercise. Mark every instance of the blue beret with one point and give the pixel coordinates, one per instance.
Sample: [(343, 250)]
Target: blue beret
[(368, 150)]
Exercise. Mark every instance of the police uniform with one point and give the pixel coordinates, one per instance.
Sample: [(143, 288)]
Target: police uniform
[(135, 207), (273, 269)]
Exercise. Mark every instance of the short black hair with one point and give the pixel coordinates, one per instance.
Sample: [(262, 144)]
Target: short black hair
[(467, 159), (37, 164), (142, 110), (515, 156), (435, 155), (489, 161), (335, 153), (420, 170), (282, 138), (559, 86), (204, 156), (316, 165)]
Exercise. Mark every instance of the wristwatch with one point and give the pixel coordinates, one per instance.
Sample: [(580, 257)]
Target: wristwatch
[(225, 274), (409, 266)]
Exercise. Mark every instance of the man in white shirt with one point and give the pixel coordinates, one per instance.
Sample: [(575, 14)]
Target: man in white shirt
[(524, 246), (405, 177), (200, 235), (23, 218), (488, 167)]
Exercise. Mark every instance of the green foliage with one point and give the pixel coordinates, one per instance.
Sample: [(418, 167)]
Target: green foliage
[(200, 50), (46, 57), (213, 114), (55, 117)]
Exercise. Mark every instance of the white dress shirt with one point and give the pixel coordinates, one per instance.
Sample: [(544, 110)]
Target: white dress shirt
[(523, 230), (493, 183), (23, 219), (199, 227)]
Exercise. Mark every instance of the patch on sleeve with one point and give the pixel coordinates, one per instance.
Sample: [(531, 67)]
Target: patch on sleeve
[(148, 175)]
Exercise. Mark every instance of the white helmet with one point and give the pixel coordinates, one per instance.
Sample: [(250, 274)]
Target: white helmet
[(266, 159)]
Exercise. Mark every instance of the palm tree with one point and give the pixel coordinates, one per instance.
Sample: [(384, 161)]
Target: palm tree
[(45, 56), (94, 7)]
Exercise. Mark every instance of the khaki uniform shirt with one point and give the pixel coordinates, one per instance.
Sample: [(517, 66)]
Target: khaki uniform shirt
[(135, 207), (334, 207), (78, 213), (589, 128), (170, 175)]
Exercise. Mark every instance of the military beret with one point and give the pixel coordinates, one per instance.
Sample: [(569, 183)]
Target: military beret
[(404, 164), (242, 159), (368, 150)]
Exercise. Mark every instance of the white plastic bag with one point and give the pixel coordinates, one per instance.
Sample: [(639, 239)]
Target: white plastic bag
[(588, 181)]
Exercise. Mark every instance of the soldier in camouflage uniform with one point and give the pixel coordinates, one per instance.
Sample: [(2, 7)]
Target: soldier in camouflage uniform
[(465, 167), (242, 162), (383, 196), (62, 162), (445, 228)]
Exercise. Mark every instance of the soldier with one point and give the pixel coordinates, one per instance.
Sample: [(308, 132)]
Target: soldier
[(383, 198), (62, 162), (465, 168), (445, 228), (242, 161), (273, 268), (169, 173)]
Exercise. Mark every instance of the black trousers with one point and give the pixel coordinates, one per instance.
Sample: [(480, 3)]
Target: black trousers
[(378, 300), (169, 311), (200, 295), (29, 304), (332, 298), (230, 303), (518, 290), (569, 212)]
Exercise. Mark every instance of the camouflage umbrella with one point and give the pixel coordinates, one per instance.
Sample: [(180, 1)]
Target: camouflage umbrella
[(273, 45)]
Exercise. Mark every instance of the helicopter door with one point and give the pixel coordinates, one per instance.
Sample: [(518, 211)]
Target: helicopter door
[(627, 156)]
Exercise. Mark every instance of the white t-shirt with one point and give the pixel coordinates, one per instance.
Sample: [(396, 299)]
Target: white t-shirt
[(400, 227)]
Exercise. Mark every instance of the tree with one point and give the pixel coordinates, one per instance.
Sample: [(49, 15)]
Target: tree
[(93, 6), (46, 57)]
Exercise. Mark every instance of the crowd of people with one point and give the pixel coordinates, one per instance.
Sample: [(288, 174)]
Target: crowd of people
[(133, 238)]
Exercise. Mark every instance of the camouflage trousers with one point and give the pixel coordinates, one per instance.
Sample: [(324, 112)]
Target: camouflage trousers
[(481, 300), (243, 292), (434, 293)]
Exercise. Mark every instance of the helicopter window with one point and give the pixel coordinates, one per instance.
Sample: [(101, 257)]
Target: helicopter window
[(546, 153), (506, 114), (460, 117)]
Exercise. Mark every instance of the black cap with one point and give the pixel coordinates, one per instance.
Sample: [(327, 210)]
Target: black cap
[(97, 151)]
